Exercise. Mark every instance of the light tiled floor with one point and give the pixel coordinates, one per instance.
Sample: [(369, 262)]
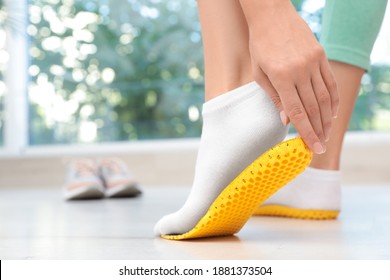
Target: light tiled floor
[(38, 224)]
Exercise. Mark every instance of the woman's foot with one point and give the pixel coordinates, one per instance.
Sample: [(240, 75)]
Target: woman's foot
[(238, 127)]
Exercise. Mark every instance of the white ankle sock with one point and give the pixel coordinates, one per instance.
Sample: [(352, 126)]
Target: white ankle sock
[(238, 127), (313, 189)]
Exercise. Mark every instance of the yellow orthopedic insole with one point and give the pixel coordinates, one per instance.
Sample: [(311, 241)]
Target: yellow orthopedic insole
[(296, 213), (262, 178)]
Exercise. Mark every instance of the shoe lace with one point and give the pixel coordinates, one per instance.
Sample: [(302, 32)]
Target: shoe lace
[(113, 166), (84, 168)]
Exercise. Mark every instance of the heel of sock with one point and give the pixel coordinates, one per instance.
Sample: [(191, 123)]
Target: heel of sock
[(296, 213)]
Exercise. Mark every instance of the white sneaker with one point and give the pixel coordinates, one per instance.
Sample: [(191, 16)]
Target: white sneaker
[(117, 180), (82, 180)]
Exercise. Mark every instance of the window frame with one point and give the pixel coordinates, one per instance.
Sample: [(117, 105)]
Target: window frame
[(16, 80)]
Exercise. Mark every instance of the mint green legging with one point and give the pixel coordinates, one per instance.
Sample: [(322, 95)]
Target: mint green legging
[(349, 29)]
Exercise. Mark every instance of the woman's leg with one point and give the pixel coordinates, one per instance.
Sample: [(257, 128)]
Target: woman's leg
[(348, 79), (315, 194), (225, 43), (349, 30), (240, 121)]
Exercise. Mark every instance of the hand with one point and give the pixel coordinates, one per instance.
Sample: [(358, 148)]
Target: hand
[(291, 66)]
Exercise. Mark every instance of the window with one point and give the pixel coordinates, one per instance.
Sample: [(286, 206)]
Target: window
[(115, 70)]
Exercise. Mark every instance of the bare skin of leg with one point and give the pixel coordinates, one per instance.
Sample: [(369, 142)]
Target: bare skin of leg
[(228, 65), (226, 46), (348, 79)]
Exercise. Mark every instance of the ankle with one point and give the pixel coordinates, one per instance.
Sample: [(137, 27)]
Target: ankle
[(225, 73), (325, 162), (226, 83)]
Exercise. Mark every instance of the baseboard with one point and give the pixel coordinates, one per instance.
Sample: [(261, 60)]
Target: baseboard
[(171, 163)]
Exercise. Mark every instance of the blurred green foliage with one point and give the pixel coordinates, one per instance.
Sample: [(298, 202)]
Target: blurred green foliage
[(125, 69), (372, 109), (119, 70)]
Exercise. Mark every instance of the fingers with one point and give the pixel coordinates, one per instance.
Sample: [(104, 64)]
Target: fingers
[(262, 79), (309, 101), (331, 85), (297, 113), (305, 116), (324, 104)]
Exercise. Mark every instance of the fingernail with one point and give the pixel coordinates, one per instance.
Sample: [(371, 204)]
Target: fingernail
[(318, 148), (283, 117)]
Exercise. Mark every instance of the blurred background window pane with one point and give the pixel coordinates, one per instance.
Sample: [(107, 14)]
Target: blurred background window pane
[(119, 70), (114, 70)]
